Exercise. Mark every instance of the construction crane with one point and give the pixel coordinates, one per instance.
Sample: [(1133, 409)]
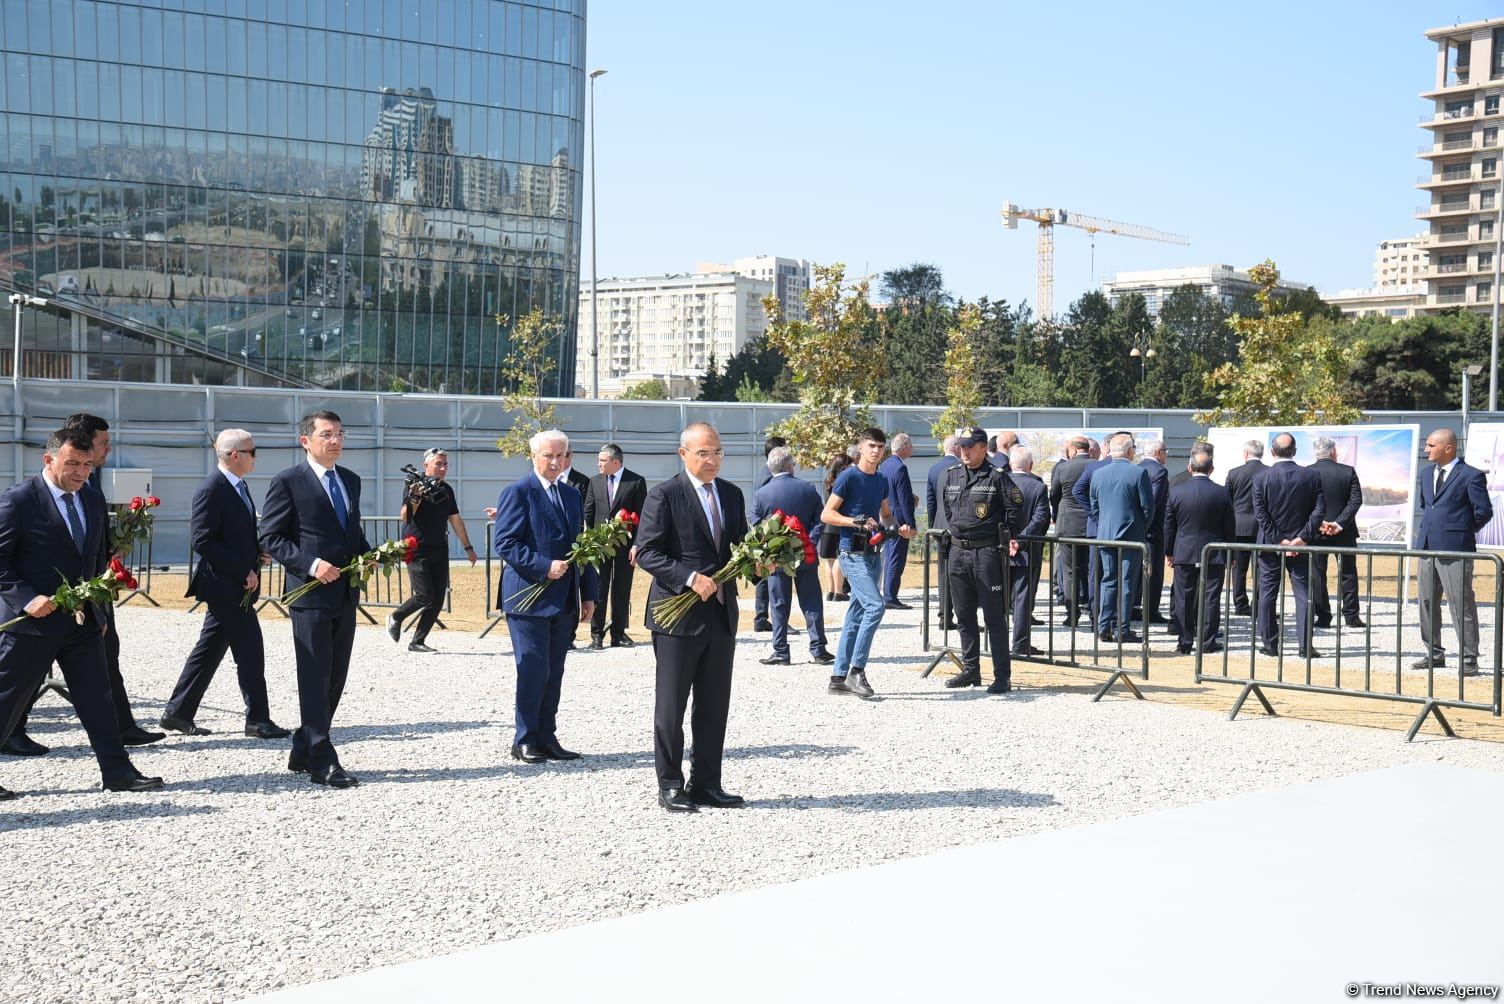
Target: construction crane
[(1048, 219)]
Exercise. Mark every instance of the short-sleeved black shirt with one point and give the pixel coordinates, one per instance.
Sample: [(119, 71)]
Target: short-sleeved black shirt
[(428, 520)]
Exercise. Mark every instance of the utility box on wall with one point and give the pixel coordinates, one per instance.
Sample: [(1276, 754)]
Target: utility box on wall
[(121, 484)]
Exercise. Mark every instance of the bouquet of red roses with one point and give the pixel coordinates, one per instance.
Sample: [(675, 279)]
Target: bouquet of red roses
[(591, 548), (103, 588), (132, 522), (779, 543), (362, 567)]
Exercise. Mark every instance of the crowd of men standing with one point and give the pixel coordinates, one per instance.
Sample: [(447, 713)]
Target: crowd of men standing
[(1114, 505)]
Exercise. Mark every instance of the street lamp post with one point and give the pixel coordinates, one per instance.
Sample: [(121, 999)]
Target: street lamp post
[(595, 310), (1143, 358), (1468, 372)]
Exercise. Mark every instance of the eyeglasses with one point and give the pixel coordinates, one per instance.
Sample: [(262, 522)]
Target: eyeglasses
[(707, 454), (250, 453), (329, 436)]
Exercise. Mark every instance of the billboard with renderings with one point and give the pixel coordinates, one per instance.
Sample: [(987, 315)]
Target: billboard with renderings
[(1485, 451), (1386, 458)]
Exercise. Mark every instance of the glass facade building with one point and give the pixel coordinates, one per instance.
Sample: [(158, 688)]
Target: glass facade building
[(355, 194)]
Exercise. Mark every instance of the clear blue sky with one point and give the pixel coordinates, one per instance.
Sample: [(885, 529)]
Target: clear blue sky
[(881, 133)]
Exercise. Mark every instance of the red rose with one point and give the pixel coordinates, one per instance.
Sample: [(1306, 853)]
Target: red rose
[(137, 503), (792, 522), (132, 584), (116, 565), (875, 539), (122, 576), (153, 500)]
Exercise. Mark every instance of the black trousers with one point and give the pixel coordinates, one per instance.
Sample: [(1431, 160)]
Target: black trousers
[(1268, 596), (1240, 562), (1156, 581), (699, 665), (1021, 573), (121, 703), (1072, 577), (977, 581), (429, 575), (227, 628), (322, 640), (1183, 602), (943, 549), (24, 660), (1347, 584), (616, 589)]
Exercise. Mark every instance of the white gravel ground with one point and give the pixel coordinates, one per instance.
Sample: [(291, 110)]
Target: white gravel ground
[(241, 877)]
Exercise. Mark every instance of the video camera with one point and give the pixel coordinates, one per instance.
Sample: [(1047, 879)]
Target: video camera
[(420, 486)]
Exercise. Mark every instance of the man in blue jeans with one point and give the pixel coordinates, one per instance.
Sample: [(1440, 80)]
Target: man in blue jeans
[(857, 507)]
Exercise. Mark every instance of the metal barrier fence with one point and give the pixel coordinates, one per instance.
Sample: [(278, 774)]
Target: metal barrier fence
[(936, 542), (139, 563), (493, 615), (1431, 702)]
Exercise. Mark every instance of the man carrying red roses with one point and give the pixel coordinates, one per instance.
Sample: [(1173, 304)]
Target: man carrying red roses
[(800, 503)]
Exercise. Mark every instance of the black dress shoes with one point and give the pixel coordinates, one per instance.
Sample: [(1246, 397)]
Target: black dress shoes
[(1469, 669), (717, 798), (554, 751), (1128, 638), (1356, 622), (138, 783), (823, 658), (297, 764), (1323, 624), (185, 726), (528, 753), (393, 628), (623, 642), (21, 744), (965, 678), (675, 800), (333, 776), (1309, 653), (597, 641), (137, 736), (1183, 649), (762, 626), (1211, 647), (1027, 652), (1269, 650), (896, 605), (778, 660), (1242, 611), (999, 687), (6, 795), (422, 648), (266, 730), (1436, 663)]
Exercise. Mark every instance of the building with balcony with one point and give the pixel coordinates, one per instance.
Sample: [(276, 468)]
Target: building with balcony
[(1463, 213), (313, 194), (1227, 284), (790, 277), (670, 324)]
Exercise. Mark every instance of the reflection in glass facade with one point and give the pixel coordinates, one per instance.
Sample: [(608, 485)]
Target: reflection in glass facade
[(340, 193)]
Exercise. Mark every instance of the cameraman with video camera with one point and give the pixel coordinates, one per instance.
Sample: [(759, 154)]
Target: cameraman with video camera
[(428, 504)]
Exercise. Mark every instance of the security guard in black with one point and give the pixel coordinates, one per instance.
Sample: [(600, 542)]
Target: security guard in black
[(979, 501)]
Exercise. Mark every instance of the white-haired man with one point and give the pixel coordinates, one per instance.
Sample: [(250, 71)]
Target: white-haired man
[(538, 517), (227, 578)]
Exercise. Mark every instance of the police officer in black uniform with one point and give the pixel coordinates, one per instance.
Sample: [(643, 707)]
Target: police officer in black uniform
[(979, 501)]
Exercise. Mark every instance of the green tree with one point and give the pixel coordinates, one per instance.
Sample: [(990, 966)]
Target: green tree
[(524, 370), (1095, 368), (912, 333), (1416, 363), (757, 363), (963, 377), (834, 365), (648, 390), (1191, 338), (1289, 372)]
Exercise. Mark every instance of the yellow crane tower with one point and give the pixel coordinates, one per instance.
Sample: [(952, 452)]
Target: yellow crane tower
[(1048, 219)]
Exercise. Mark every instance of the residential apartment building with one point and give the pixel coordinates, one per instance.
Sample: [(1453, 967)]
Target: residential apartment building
[(1155, 285), (1399, 282), (790, 277), (1463, 184), (668, 326), (1399, 263)]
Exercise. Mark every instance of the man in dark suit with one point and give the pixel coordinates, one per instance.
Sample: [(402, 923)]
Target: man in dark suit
[(538, 518), (1339, 528), (760, 619), (1240, 488), (802, 500), (1121, 504), (1159, 483), (1175, 482), (1071, 560), (615, 488), (1288, 503), (1454, 506), (52, 533), (901, 501), (1199, 512), (933, 481), (227, 577), (1081, 492), (311, 524), (575, 479), (1029, 517), (689, 524), (132, 734)]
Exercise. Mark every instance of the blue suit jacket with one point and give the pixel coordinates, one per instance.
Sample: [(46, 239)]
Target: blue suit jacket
[(1122, 501), (298, 525), (531, 534), (1032, 519), (37, 553), (223, 531), (1451, 520), (1199, 512), (1081, 492), (900, 491), (1159, 482), (1288, 502), (932, 490), (794, 496)]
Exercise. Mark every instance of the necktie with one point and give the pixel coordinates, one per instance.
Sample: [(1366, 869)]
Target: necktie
[(337, 497), (611, 490), (75, 525), (553, 495), (1441, 478), (245, 496), (715, 515)]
